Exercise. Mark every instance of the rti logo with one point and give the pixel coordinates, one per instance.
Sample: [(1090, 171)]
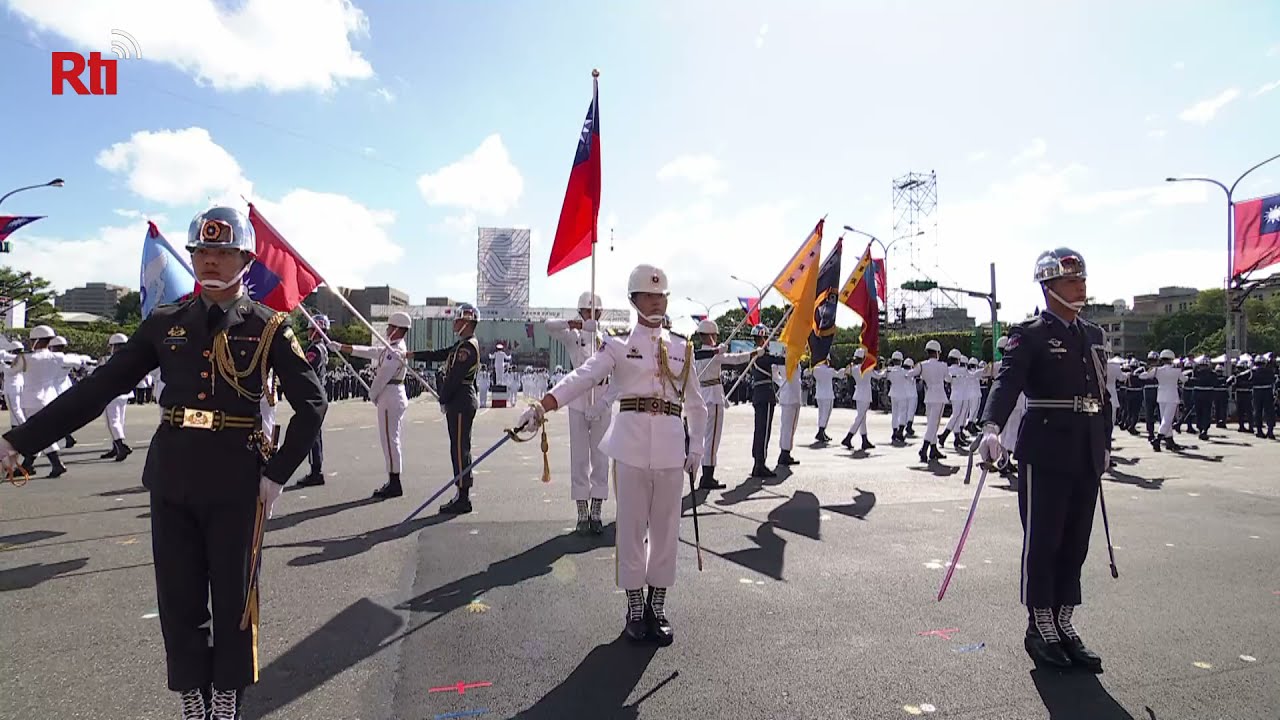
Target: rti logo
[(68, 67)]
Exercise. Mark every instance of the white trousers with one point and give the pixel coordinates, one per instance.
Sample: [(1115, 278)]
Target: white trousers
[(933, 411), (824, 412), (859, 426), (588, 465), (959, 408), (1009, 435), (391, 407), (900, 411), (115, 417), (975, 404), (16, 416), (1168, 411), (711, 436), (484, 397), (648, 506), (787, 430)]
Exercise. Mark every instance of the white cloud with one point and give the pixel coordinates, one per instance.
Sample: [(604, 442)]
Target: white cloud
[(176, 167), (764, 30), (1205, 110), (386, 95), (702, 170), (1034, 151), (106, 256), (456, 285), (1273, 51), (1156, 134), (1163, 195), (1263, 90), (278, 45), (483, 181), (341, 238), (977, 156), (1179, 65), (461, 229), (1151, 117)]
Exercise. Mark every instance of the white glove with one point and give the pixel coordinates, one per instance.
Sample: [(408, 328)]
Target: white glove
[(268, 492), (989, 448), (335, 346), (8, 456), (589, 326), (692, 461), (532, 417)]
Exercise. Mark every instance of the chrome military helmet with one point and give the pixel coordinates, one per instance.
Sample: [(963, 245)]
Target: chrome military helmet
[(221, 227), (1058, 263)]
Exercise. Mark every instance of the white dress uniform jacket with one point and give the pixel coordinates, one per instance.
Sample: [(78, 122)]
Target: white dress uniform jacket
[(388, 394), (13, 389), (589, 415)]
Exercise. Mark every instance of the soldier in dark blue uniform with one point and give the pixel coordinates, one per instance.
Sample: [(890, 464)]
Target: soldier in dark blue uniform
[(318, 358), (763, 398), (457, 388), (1205, 383), (1263, 381), (212, 474), (1150, 389), (1058, 360)]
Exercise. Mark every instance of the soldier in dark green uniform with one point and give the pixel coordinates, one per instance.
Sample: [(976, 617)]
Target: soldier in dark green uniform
[(318, 358), (457, 388), (212, 475)]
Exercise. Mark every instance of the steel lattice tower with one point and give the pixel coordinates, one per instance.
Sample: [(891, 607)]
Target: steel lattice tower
[(913, 252)]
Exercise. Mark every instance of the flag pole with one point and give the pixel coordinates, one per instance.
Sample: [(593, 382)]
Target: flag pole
[(325, 335), (746, 371)]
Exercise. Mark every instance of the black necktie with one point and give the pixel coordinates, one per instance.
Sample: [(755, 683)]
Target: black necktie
[(215, 316)]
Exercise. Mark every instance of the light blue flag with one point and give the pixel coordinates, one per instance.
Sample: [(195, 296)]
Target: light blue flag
[(166, 276)]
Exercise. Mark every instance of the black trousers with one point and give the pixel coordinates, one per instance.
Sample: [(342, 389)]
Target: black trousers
[(1057, 518), (1220, 405), (764, 424), (1134, 409), (1151, 409), (459, 422), (1264, 411), (1244, 407), (202, 550), (316, 456), (1204, 409)]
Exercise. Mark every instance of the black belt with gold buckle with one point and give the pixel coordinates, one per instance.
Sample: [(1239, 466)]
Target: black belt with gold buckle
[(651, 405), (1085, 405), (207, 419), (710, 383)]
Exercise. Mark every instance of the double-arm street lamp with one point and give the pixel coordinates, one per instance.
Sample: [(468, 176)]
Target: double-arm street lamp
[(990, 297), (1236, 332), (56, 182)]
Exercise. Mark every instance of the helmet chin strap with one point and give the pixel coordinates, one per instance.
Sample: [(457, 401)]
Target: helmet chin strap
[(654, 319), (216, 284), (1077, 306)]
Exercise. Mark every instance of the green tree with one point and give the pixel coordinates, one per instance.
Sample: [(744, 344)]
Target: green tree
[(24, 287), (129, 309)]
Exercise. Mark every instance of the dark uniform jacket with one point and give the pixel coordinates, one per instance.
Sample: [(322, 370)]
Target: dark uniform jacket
[(189, 464), (1203, 378), (1046, 361), (457, 385), (318, 359), (763, 389)]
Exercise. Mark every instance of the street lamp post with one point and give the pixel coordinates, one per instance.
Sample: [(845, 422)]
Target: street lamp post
[(1236, 331), (1184, 342), (704, 305), (56, 182), (990, 297)]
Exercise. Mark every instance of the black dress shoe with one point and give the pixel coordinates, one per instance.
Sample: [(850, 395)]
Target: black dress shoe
[(636, 630), (785, 459), (108, 454), (1082, 656), (848, 441), (762, 471), (388, 491), (456, 506), (866, 444), (124, 452), (596, 527), (660, 630), (582, 529), (1046, 654), (709, 483), (311, 480)]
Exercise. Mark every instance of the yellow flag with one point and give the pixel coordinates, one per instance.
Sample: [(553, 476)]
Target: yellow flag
[(798, 283)]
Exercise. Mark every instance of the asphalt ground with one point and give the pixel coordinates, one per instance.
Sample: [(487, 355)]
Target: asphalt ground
[(817, 598)]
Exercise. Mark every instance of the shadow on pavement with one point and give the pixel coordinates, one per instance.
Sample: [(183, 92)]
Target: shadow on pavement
[(341, 548), (29, 576), (287, 521), (1076, 696), (26, 538), (1144, 483), (600, 685), (861, 506)]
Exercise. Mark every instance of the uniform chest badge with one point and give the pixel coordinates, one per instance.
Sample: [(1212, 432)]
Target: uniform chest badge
[(1055, 342), (634, 354), (177, 331)]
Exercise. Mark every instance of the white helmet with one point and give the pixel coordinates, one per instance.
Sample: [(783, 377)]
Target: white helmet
[(648, 279), (585, 301), (41, 332), (1003, 342), (908, 363), (933, 346), (860, 352), (955, 353), (1167, 354), (58, 341), (760, 331), (973, 362), (708, 327), (897, 355), (16, 345), (400, 319), (117, 339)]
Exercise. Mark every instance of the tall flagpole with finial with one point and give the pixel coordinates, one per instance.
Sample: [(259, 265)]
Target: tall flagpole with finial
[(595, 225)]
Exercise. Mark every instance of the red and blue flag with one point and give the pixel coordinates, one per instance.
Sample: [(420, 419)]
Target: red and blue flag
[(576, 231), (279, 278)]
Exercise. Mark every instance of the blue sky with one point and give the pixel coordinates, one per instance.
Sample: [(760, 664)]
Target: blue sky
[(377, 135)]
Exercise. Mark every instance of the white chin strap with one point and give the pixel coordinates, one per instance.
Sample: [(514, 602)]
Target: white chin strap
[(655, 319), (1077, 306), (220, 285)]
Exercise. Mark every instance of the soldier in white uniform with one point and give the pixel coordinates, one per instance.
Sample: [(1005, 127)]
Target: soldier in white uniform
[(651, 372), (13, 384), (388, 395), (1168, 378), (709, 360), (499, 358), (559, 373), (114, 412), (789, 401), (956, 372), (914, 403), (934, 373), (861, 398), (902, 392), (482, 386), (43, 370), (589, 417), (825, 393), (59, 346)]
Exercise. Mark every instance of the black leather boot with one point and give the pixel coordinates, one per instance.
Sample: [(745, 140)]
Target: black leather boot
[(636, 628), (847, 441), (460, 505), (194, 706), (1043, 643), (924, 452), (655, 616), (784, 458), (115, 447), (761, 471), (709, 481), (391, 489), (57, 468), (314, 478), (123, 452), (1080, 655), (935, 453), (866, 444)]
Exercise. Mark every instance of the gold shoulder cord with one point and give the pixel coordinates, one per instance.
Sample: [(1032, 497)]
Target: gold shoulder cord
[(225, 364), (677, 382)]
